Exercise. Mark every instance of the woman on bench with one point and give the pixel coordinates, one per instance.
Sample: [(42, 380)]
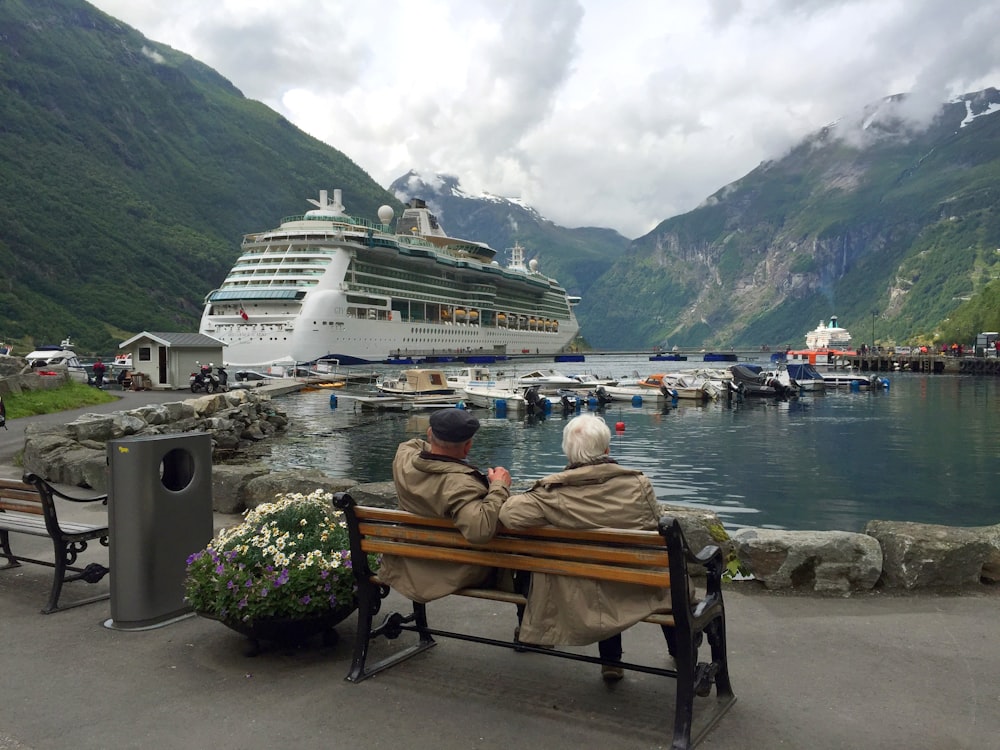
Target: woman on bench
[(592, 492)]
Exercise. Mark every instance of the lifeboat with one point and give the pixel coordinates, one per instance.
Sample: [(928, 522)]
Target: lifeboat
[(501, 320), (445, 313), (555, 326), (532, 323), (460, 315), (473, 316), (548, 325)]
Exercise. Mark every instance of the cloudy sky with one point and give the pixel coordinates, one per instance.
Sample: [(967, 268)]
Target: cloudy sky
[(615, 113)]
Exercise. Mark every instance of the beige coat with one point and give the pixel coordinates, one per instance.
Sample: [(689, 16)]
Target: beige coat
[(441, 487), (576, 611)]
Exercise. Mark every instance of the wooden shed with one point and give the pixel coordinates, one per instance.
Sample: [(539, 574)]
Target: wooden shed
[(165, 361)]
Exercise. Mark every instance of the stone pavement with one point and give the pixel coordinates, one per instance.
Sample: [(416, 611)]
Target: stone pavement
[(920, 672), (915, 672)]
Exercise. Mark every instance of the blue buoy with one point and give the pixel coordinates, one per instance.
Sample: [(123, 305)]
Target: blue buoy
[(855, 386), (501, 407), (592, 403), (637, 400), (546, 406), (885, 383), (333, 400), (460, 405)]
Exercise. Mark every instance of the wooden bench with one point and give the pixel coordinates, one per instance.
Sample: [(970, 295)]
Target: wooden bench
[(28, 507), (650, 558)]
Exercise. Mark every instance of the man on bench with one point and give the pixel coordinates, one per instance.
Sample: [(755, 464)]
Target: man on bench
[(592, 492), (434, 479)]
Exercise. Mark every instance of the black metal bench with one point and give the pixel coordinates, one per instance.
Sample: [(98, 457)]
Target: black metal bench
[(28, 507), (649, 558)]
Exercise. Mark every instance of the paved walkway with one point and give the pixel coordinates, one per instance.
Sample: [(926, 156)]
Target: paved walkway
[(917, 672)]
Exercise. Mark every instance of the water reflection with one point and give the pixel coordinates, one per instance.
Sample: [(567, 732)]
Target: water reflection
[(923, 451)]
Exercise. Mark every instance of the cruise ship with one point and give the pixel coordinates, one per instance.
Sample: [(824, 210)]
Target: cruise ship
[(329, 286)]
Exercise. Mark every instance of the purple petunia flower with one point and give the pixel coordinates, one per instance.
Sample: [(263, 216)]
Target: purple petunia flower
[(242, 603), (305, 599)]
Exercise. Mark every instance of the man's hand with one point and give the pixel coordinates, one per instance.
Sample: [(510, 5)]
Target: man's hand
[(499, 474)]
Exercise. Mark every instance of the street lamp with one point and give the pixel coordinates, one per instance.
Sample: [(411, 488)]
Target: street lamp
[(874, 313)]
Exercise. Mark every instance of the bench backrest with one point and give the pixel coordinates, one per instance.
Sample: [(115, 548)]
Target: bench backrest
[(638, 557), (20, 497)]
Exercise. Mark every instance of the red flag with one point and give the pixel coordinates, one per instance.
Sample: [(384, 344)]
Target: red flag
[(243, 314)]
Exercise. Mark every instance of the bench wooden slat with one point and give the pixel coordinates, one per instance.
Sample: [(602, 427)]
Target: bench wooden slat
[(486, 558), (628, 537), (655, 558)]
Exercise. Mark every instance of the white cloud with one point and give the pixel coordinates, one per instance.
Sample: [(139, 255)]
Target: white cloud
[(595, 113)]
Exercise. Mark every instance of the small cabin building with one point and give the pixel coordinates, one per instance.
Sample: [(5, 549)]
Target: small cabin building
[(165, 361)]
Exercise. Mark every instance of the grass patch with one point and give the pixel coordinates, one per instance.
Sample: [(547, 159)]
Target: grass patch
[(73, 395)]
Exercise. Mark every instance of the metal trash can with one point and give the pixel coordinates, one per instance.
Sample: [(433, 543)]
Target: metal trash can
[(159, 513)]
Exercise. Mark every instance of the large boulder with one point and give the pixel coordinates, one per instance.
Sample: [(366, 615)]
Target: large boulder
[(228, 486), (929, 556), (263, 489), (826, 562)]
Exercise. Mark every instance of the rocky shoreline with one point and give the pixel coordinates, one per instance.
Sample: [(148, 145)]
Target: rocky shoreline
[(894, 555)]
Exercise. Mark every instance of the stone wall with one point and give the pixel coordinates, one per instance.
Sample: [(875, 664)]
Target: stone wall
[(76, 453)]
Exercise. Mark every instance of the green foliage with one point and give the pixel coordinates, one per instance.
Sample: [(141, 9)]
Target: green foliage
[(73, 395), (129, 173)]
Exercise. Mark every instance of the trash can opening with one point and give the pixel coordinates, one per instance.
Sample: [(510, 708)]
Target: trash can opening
[(177, 469)]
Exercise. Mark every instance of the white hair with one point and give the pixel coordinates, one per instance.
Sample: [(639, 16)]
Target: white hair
[(585, 439)]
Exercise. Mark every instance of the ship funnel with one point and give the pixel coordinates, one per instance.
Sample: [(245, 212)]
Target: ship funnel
[(322, 198)]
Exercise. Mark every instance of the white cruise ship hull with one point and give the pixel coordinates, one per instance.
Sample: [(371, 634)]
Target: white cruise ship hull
[(327, 285)]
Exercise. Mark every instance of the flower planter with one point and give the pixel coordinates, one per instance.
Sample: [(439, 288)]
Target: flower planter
[(283, 575), (287, 631)]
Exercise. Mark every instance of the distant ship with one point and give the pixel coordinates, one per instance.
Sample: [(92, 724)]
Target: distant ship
[(828, 336), (326, 285)]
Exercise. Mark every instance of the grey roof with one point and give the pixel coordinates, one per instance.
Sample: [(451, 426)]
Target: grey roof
[(183, 340)]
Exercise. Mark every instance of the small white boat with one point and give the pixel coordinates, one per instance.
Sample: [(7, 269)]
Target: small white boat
[(548, 380), (418, 382), (803, 376), (486, 394), (469, 375), (57, 358)]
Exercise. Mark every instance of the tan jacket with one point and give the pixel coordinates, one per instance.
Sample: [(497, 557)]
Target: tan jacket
[(576, 611), (441, 487)]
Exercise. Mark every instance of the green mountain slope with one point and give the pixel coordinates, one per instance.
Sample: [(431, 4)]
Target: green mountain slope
[(880, 218), (129, 173)]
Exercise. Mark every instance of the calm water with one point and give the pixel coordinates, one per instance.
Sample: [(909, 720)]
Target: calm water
[(926, 450)]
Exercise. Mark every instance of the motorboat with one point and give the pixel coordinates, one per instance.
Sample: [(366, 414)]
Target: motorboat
[(58, 358), (416, 383), (751, 380), (549, 381), (803, 376), (852, 379), (486, 394), (468, 375)]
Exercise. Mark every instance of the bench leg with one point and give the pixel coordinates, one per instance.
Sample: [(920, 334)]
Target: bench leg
[(5, 546), (392, 626), (65, 555), (695, 679)]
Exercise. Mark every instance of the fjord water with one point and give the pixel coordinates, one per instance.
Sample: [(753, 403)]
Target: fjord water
[(925, 450)]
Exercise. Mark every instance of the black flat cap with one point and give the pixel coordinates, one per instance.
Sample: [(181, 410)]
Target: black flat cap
[(453, 425)]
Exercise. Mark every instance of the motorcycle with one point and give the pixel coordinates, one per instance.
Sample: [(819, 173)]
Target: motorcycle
[(204, 380)]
